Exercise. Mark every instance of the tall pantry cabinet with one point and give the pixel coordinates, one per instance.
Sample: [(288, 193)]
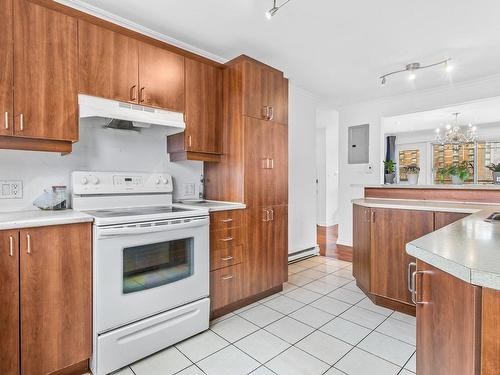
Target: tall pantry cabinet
[(254, 168)]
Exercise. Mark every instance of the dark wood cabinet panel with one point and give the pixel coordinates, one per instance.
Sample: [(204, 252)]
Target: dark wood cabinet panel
[(108, 63), (442, 219), (56, 299), (278, 96), (361, 247), (45, 73), (255, 90), (227, 219), (161, 78), (226, 238), (9, 300), (448, 323), (7, 70), (490, 321), (226, 286), (277, 184), (203, 113), (391, 230), (226, 257), (277, 254)]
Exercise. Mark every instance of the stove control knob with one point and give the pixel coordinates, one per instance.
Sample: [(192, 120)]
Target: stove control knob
[(95, 180), (84, 181), (157, 181), (164, 180)]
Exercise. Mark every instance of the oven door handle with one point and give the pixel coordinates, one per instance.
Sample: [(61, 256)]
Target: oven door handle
[(131, 230)]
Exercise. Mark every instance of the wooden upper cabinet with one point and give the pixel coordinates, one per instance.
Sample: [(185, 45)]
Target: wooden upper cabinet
[(361, 247), (45, 73), (448, 323), (108, 63), (9, 300), (56, 299), (391, 230), (161, 78), (255, 91), (203, 112), (7, 68), (278, 96)]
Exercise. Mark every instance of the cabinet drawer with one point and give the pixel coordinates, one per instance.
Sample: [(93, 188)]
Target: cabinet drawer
[(226, 257), (226, 238), (226, 219), (226, 286)]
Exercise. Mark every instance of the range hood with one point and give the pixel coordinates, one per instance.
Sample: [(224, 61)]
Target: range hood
[(127, 116)]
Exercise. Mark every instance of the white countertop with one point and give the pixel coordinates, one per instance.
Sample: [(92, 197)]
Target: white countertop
[(468, 249), (409, 204), (212, 206), (39, 218)]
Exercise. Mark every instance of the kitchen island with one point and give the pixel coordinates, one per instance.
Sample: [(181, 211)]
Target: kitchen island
[(441, 256)]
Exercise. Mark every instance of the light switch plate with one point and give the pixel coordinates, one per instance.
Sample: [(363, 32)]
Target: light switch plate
[(189, 189), (11, 189)]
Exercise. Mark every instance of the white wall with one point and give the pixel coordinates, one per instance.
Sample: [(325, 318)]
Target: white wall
[(302, 171), (327, 122), (352, 177), (100, 150)]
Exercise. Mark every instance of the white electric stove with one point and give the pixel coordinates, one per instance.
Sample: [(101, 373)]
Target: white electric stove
[(151, 265)]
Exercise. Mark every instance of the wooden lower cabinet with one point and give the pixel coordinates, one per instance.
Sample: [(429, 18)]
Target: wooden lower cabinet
[(361, 256), (391, 230), (226, 286), (490, 332), (448, 324), (442, 219), (53, 283)]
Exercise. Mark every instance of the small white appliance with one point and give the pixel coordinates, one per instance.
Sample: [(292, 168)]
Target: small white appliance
[(150, 264), (130, 116)]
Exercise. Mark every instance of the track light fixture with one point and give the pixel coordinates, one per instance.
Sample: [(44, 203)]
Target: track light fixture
[(413, 67), (271, 12)]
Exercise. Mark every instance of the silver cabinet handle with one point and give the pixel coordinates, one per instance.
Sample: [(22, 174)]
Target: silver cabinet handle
[(21, 122), (272, 163), (271, 212), (226, 259), (228, 277), (265, 112), (266, 217), (271, 113), (414, 298), (226, 220), (11, 246), (28, 240), (6, 120), (190, 141), (226, 239), (410, 266)]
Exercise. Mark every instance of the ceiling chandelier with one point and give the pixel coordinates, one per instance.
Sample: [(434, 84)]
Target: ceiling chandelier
[(271, 12), (456, 135), (413, 67)]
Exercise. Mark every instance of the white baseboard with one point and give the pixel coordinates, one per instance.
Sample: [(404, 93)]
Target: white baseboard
[(344, 243), (303, 253)]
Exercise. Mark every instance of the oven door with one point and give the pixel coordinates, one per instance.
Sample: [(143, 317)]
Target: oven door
[(143, 269)]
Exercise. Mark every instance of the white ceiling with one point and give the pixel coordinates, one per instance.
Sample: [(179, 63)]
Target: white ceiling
[(481, 112), (336, 49)]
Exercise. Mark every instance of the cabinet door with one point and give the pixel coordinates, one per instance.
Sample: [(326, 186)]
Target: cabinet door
[(256, 252), (490, 339), (161, 78), (56, 299), (9, 300), (442, 219), (277, 256), (255, 90), (258, 158), (226, 286), (391, 230), (45, 73), (277, 184), (361, 247), (278, 96), (7, 70), (448, 325), (203, 113), (108, 63)]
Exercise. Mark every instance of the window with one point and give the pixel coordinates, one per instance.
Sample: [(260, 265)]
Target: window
[(408, 157)]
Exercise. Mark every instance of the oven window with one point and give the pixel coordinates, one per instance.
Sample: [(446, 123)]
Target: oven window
[(150, 266)]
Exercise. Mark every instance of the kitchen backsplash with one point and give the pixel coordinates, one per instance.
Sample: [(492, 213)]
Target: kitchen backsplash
[(99, 149)]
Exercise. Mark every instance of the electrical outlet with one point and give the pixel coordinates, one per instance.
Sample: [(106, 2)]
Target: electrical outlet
[(11, 189), (189, 189)]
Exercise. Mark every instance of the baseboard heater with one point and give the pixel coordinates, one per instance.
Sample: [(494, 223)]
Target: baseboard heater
[(301, 254)]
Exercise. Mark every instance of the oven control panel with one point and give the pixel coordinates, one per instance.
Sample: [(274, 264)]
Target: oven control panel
[(120, 183)]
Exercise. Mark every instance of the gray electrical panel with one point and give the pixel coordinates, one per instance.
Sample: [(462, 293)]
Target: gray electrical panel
[(359, 141)]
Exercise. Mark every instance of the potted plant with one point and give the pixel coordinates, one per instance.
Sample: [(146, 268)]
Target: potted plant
[(390, 171), (412, 172), (441, 174), (459, 172), (495, 168)]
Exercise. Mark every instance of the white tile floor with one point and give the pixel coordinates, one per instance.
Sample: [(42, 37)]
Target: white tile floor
[(320, 324)]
